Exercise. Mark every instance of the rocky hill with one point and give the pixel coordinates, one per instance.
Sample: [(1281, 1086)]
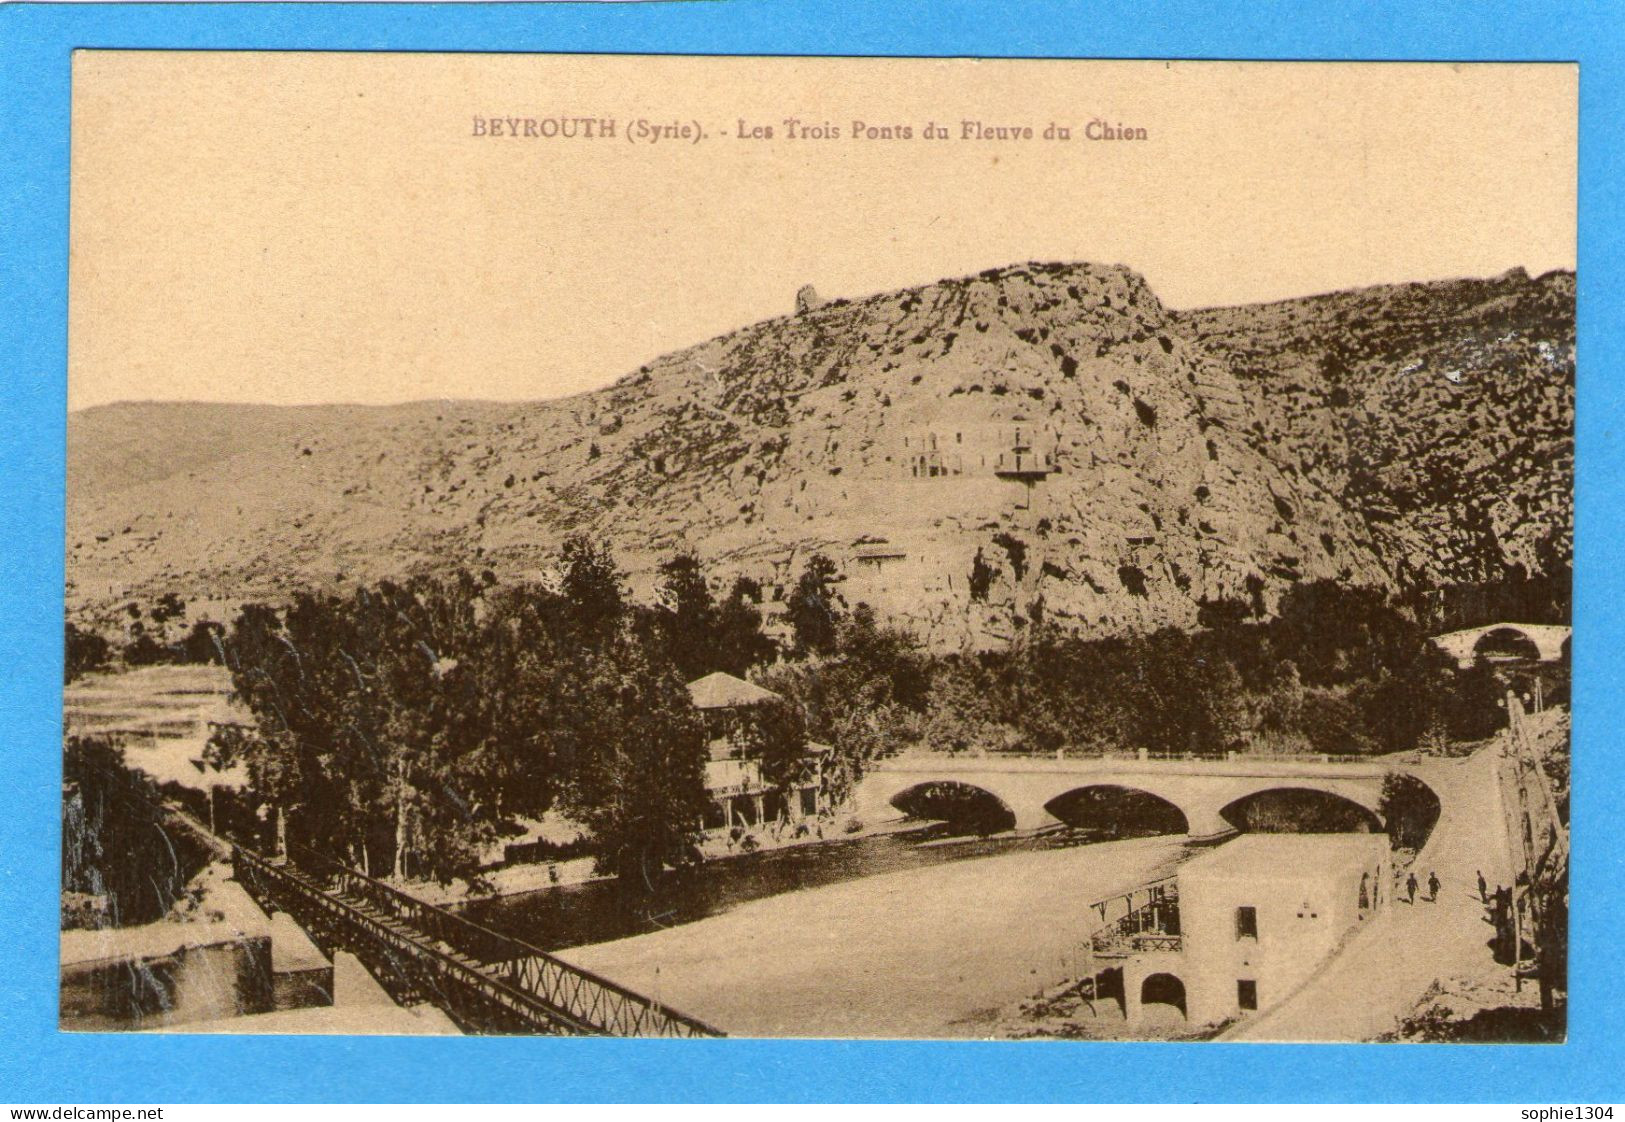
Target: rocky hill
[(1111, 461), (1441, 414)]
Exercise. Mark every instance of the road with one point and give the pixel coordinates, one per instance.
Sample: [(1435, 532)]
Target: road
[(1382, 973)]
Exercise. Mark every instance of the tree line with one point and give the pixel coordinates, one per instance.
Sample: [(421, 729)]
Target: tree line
[(152, 637), (404, 727)]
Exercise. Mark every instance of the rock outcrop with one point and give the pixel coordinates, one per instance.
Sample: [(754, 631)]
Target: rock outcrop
[(1113, 462)]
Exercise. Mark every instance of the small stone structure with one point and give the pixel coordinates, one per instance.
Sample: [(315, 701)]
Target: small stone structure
[(1257, 917)]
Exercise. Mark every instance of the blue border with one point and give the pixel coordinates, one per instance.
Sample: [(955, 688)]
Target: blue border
[(37, 1063)]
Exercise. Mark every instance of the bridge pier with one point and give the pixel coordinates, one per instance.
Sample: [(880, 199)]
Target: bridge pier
[(1030, 814), (1205, 824)]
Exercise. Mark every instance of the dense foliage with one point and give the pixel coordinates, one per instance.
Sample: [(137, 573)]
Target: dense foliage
[(116, 846), (405, 727), (1338, 670)]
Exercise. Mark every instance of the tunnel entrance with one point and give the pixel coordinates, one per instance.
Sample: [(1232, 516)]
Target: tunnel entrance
[(1107, 811), (1299, 810), (966, 809)]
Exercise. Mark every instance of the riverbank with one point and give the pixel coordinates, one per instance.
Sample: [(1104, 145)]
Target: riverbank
[(541, 876), (927, 952)]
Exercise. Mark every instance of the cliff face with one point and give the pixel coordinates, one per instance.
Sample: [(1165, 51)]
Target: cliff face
[(1112, 462), (1441, 415)]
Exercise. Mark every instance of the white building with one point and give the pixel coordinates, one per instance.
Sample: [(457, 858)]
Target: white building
[(1249, 922)]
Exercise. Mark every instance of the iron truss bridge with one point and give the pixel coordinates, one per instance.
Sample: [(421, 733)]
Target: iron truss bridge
[(485, 981)]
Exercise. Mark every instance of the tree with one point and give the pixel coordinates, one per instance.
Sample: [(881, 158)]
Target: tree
[(961, 714), (740, 643), (702, 634), (636, 749), (591, 584), (814, 607), (203, 643), (1337, 634), (774, 733), (1185, 698), (866, 698), (1224, 613), (1410, 809), (83, 651), (143, 649), (116, 842), (981, 577), (168, 607), (689, 615)]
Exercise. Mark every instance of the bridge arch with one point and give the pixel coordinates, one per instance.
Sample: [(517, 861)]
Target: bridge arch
[(1295, 809), (1506, 644), (960, 804), (1543, 642), (1116, 810)]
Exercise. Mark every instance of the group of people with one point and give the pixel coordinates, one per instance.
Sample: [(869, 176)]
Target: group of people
[(1433, 883)]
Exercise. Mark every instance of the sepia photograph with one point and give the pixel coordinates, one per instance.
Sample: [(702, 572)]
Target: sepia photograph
[(746, 546)]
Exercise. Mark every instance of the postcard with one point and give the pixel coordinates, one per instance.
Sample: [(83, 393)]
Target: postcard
[(632, 545)]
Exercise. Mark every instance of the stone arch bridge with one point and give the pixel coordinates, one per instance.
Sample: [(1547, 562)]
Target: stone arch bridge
[(1200, 789), (1548, 641)]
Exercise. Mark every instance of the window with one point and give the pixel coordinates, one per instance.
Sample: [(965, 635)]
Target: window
[(1246, 993), (1246, 923)]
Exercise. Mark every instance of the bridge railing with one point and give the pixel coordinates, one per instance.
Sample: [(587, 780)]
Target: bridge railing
[(1066, 754), (578, 997), (410, 968)]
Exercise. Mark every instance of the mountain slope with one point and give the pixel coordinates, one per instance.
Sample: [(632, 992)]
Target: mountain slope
[(1441, 414), (1112, 462)]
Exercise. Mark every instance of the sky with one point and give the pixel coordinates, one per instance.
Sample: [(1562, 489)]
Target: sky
[(299, 228)]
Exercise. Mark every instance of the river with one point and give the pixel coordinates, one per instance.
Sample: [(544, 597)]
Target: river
[(604, 910)]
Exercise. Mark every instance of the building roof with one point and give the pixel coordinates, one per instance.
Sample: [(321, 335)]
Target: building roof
[(724, 691), (1291, 856)]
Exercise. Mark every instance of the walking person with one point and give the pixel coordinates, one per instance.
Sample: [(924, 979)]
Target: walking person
[(1410, 889), (1483, 888), (1433, 886)]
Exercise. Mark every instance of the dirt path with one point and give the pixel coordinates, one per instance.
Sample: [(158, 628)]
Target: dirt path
[(933, 952), (1381, 975)]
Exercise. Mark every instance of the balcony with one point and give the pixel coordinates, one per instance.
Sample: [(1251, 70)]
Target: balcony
[(1024, 463), (1151, 927)]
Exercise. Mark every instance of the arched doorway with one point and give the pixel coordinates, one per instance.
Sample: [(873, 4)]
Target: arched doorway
[(1109, 811), (1163, 990)]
